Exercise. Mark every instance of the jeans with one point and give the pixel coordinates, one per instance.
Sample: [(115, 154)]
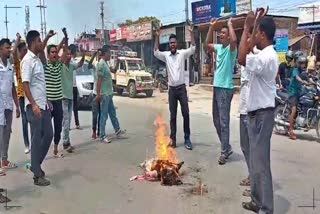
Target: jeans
[(67, 114), (57, 115), (107, 108), (221, 104), (75, 106), (41, 137), (261, 124), (179, 93), (5, 134), (96, 113), (24, 122), (244, 139)]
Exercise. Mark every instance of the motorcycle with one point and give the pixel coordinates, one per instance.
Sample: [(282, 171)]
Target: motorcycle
[(308, 111)]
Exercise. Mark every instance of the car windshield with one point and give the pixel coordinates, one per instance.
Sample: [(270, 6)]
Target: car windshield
[(136, 65), (84, 71)]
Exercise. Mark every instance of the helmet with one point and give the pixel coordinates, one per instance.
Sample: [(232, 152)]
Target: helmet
[(297, 54), (302, 59), (289, 54)]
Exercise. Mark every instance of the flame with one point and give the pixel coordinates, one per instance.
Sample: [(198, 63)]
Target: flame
[(163, 151)]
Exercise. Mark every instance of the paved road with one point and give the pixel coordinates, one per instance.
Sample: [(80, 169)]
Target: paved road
[(95, 179)]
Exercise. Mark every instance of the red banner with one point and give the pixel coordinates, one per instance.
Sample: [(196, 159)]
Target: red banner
[(113, 35)]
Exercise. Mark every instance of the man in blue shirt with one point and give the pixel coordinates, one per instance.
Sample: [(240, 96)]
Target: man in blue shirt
[(226, 54), (297, 79)]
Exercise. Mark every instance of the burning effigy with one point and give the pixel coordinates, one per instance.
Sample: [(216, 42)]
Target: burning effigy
[(165, 166)]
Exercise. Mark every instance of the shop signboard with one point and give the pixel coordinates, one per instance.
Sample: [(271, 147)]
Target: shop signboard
[(113, 35), (139, 32), (165, 34), (204, 11), (282, 40)]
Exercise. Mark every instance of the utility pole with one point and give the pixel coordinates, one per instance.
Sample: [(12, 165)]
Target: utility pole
[(102, 22), (187, 10), (6, 20), (27, 20), (42, 18), (313, 21)]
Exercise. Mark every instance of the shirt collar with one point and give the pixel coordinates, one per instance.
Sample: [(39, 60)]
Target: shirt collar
[(178, 52), (32, 54)]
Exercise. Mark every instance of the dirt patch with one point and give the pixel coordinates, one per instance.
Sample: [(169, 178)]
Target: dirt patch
[(198, 189)]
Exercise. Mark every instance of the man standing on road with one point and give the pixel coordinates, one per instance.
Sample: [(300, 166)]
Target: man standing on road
[(105, 94), (95, 106), (37, 108), (68, 70), (19, 51), (53, 75), (8, 94), (226, 54), (175, 61), (260, 106), (73, 50)]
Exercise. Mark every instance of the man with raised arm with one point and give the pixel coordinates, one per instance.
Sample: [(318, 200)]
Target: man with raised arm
[(175, 61), (263, 68), (226, 53)]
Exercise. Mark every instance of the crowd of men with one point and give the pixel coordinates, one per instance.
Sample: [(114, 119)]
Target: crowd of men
[(46, 91)]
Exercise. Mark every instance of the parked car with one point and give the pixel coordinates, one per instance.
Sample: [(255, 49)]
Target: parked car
[(85, 83)]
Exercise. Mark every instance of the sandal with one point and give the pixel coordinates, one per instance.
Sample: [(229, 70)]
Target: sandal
[(4, 199), (222, 160), (245, 182), (9, 166), (56, 154), (247, 193), (2, 172), (250, 206)]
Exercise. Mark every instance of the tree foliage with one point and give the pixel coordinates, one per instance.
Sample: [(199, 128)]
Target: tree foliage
[(154, 20)]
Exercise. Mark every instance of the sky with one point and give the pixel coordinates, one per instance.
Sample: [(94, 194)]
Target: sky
[(80, 15)]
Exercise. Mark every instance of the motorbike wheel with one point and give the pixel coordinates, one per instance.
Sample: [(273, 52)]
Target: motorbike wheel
[(279, 113)]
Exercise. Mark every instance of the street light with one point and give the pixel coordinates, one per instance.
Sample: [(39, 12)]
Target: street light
[(6, 18)]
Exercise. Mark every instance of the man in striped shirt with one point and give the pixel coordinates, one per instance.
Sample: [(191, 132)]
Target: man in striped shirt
[(53, 72)]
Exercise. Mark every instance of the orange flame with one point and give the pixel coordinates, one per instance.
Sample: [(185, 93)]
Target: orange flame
[(163, 151)]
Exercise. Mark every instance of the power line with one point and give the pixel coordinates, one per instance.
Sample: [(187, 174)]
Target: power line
[(6, 17)]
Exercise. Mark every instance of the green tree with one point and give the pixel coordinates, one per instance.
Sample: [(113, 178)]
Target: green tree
[(154, 20)]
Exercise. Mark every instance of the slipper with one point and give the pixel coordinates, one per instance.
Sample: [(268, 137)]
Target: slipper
[(10, 166), (247, 193), (4, 199), (2, 172), (250, 206), (58, 155), (245, 182)]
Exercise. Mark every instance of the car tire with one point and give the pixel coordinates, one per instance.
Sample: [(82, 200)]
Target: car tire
[(149, 93), (132, 90)]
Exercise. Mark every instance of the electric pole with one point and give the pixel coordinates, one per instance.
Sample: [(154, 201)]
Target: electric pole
[(102, 22), (187, 10), (27, 20), (42, 18), (6, 20)]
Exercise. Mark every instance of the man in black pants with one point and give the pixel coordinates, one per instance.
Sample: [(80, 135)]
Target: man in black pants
[(175, 61)]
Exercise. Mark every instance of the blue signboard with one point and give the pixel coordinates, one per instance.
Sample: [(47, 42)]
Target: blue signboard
[(282, 40), (204, 11)]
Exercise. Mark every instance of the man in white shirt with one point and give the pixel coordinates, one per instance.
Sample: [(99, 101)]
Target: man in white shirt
[(8, 94), (37, 108), (260, 107), (175, 60)]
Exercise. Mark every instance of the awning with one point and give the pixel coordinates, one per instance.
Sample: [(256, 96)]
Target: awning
[(309, 27), (296, 39)]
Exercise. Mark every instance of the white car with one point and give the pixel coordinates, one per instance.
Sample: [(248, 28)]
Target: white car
[(85, 83)]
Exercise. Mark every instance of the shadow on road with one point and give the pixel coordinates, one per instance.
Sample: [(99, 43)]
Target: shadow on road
[(282, 204)]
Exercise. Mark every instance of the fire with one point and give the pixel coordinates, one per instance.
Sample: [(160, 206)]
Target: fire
[(163, 151)]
